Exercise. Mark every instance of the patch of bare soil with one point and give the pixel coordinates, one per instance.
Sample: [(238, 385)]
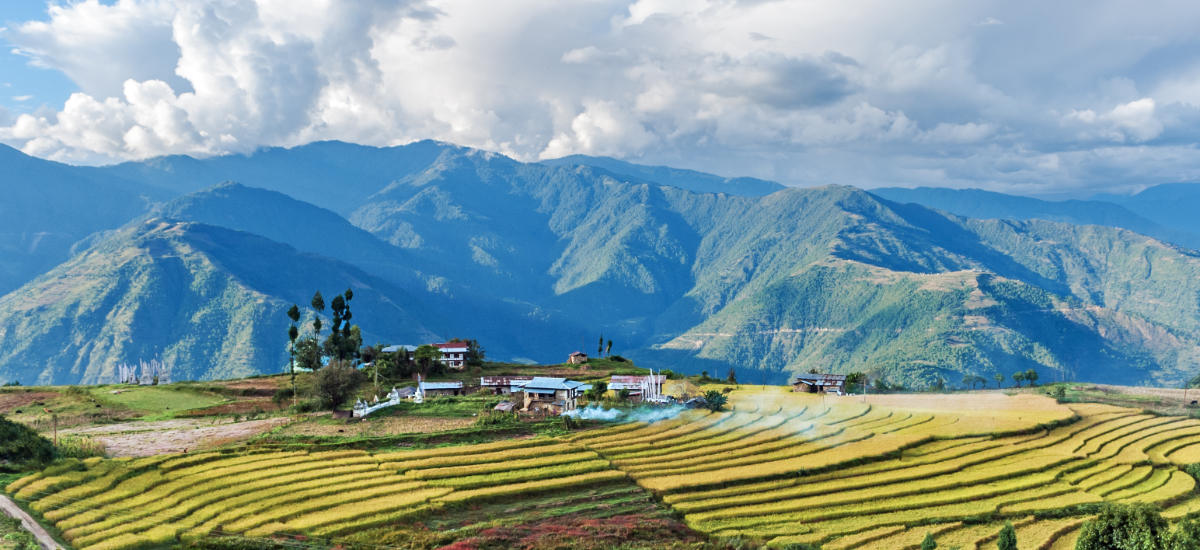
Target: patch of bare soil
[(389, 425), (10, 402), (237, 407), (173, 436), (252, 384)]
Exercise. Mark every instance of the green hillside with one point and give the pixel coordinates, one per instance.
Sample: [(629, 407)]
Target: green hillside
[(208, 300)]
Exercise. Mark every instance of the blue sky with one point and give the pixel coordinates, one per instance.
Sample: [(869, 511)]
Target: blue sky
[(25, 87), (1060, 99)]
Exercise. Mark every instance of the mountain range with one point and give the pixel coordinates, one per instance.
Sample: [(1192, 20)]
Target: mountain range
[(195, 260)]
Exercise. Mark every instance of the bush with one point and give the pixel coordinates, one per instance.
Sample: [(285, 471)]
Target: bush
[(1136, 527), (22, 448), (336, 384), (928, 543), (617, 359), (716, 400), (283, 396), (1008, 538)]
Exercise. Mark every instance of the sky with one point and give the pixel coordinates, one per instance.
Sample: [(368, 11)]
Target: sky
[(1052, 99)]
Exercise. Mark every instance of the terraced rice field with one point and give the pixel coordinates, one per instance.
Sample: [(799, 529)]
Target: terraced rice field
[(846, 473)]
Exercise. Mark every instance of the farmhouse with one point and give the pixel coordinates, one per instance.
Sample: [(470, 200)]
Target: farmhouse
[(639, 386), (577, 358), (820, 383), (503, 384), (552, 395), (430, 389), (454, 354)]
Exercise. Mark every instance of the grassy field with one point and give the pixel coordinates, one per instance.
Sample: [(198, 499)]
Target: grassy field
[(874, 472)]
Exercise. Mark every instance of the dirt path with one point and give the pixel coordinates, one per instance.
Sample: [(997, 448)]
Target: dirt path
[(11, 510), (172, 436)]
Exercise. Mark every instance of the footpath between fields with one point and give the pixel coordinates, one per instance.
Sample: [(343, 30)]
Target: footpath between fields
[(11, 510)]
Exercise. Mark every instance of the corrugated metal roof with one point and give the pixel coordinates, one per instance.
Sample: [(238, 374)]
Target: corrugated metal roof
[(504, 380), (541, 383), (394, 349), (442, 385), (821, 378)]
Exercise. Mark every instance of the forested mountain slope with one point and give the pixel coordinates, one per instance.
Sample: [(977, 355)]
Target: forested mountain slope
[(533, 259), (977, 203)]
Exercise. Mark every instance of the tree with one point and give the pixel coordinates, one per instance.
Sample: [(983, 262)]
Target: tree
[(732, 377), (475, 355), (308, 354), (928, 543), (608, 348), (293, 333), (623, 394), (429, 358), (716, 400), (1187, 535), (336, 383), (855, 379), (1132, 527), (1008, 538), (1018, 377), (999, 380), (597, 391), (1032, 376), (969, 380), (600, 350)]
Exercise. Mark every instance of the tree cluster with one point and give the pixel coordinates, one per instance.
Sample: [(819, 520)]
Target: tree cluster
[(1030, 376)]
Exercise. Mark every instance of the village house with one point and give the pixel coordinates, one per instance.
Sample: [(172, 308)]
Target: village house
[(820, 383), (638, 386), (454, 354), (577, 358), (431, 389), (552, 395), (503, 385)]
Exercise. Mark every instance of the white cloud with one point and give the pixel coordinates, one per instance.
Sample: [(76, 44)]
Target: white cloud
[(867, 92), (22, 97)]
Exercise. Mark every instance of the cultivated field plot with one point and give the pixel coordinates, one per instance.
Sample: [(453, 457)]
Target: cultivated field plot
[(846, 472)]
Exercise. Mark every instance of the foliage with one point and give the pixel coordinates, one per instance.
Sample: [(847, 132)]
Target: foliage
[(429, 360), (476, 356), (1118, 527), (336, 384), (12, 532), (282, 395), (999, 378), (731, 378), (597, 391), (22, 448), (928, 543), (1008, 538), (617, 359), (716, 400)]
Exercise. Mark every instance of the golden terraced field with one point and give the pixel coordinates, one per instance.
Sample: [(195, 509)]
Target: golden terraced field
[(877, 472)]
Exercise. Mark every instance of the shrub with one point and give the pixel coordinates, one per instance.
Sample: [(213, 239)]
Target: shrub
[(336, 384), (716, 400), (928, 543), (1008, 538), (282, 395), (1137, 527), (22, 448), (617, 359)]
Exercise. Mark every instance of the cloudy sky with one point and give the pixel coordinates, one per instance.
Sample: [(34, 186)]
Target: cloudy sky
[(1058, 99)]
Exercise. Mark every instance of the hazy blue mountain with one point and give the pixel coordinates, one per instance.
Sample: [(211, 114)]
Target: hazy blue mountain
[(533, 259), (691, 180), (977, 203), (47, 207), (1173, 205)]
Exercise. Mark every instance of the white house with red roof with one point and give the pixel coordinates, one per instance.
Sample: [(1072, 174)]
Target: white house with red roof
[(454, 354)]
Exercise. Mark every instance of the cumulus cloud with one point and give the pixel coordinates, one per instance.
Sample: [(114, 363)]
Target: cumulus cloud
[(865, 92)]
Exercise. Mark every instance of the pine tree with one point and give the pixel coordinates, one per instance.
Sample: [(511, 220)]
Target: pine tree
[(732, 377), (608, 348), (318, 304), (600, 350)]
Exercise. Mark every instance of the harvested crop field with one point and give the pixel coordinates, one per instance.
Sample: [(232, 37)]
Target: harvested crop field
[(388, 425), (12, 401), (131, 439), (874, 473)]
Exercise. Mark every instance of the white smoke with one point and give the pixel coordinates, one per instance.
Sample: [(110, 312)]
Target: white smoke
[(642, 414)]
